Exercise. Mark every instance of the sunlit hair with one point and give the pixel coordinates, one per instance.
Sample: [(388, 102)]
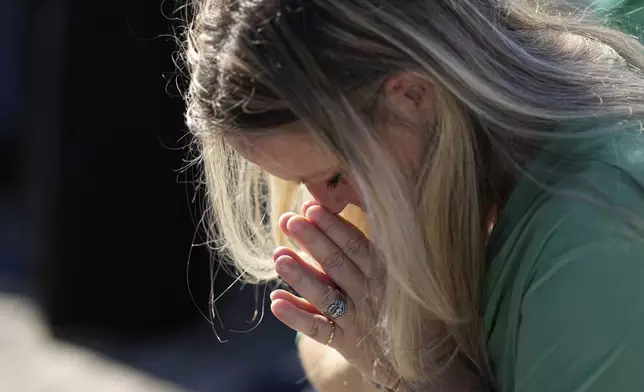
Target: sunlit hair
[(507, 75)]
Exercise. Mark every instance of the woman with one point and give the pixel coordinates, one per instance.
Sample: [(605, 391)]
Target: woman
[(492, 151)]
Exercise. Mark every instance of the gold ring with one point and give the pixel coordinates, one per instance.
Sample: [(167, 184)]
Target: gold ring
[(332, 333)]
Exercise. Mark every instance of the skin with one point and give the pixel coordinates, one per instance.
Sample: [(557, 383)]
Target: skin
[(342, 252), (292, 154), (328, 370)]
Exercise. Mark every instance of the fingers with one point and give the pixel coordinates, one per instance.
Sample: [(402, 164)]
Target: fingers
[(322, 296), (307, 204), (317, 272), (333, 260), (300, 303), (314, 326), (284, 219), (346, 236)]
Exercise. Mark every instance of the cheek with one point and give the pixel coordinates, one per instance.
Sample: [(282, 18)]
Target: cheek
[(408, 149)]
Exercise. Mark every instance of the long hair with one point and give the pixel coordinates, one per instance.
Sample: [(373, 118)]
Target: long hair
[(507, 75)]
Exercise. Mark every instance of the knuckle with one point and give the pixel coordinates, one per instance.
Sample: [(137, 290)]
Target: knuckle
[(327, 226), (328, 297), (335, 260), (356, 247), (297, 279), (314, 329)]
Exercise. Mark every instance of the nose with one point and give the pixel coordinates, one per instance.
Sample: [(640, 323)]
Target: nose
[(333, 200)]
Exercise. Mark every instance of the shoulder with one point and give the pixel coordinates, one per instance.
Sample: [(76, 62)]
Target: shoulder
[(581, 307), (577, 252), (593, 207), (590, 189)]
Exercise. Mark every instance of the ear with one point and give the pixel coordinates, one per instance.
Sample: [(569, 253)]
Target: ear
[(410, 95)]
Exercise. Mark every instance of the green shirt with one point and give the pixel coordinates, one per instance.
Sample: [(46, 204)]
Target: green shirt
[(564, 293), (627, 15)]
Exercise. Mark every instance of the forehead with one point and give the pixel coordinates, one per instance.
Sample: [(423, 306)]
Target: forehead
[(288, 153)]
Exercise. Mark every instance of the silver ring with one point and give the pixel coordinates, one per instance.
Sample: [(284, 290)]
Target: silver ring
[(338, 308)]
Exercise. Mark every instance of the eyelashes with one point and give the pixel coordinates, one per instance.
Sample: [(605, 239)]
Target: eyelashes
[(333, 182)]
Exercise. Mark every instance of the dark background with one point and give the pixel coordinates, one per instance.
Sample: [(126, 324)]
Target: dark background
[(97, 214)]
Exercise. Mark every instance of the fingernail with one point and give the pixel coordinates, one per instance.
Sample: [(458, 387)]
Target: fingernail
[(283, 264), (283, 220), (312, 212), (272, 296), (295, 225), (308, 204), (280, 251)]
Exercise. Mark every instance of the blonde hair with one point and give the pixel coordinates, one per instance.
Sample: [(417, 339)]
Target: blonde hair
[(508, 74)]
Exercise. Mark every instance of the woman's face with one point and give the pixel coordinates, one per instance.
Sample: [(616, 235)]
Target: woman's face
[(292, 154)]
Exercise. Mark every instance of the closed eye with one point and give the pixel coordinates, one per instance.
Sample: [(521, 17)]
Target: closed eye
[(333, 182)]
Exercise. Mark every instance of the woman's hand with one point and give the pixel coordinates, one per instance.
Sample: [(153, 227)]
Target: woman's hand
[(337, 307)]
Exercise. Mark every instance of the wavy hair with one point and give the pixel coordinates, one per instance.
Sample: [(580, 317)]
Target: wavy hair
[(508, 75)]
